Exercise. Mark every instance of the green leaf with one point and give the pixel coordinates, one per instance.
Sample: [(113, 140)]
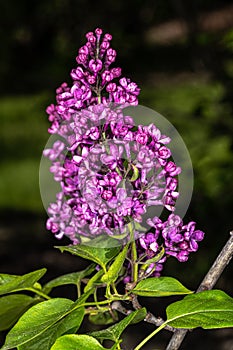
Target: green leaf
[(114, 332), (76, 342), (208, 309), (94, 280), (156, 258), (100, 250), (70, 278), (37, 320), (113, 272), (11, 283), (104, 318), (160, 287), (135, 173), (12, 307), (68, 324), (5, 278)]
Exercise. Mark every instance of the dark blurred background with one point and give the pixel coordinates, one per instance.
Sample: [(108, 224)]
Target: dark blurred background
[(180, 52)]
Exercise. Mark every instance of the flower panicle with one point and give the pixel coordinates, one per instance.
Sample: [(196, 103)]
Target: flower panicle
[(111, 170), (94, 81)]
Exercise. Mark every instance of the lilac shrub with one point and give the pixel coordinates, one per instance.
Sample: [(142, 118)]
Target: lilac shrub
[(110, 173)]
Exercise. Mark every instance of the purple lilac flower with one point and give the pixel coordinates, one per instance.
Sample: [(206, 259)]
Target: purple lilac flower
[(94, 81), (109, 169), (180, 239), (175, 238)]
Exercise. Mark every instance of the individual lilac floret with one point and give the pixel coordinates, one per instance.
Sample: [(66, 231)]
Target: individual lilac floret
[(94, 81)]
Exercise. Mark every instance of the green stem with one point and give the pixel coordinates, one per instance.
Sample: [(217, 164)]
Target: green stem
[(118, 346), (133, 254), (150, 336), (115, 290), (96, 299), (79, 290), (96, 311), (108, 292), (38, 292), (103, 302)]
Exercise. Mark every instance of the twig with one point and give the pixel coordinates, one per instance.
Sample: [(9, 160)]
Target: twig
[(157, 321), (208, 283), (150, 318), (116, 305)]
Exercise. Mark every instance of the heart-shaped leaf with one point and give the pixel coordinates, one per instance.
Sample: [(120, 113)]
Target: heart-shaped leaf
[(160, 287), (208, 309)]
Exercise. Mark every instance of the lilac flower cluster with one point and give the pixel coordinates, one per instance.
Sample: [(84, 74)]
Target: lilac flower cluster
[(94, 81), (110, 172), (177, 240), (109, 169)]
